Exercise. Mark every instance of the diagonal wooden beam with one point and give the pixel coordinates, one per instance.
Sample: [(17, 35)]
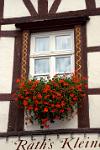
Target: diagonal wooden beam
[(90, 4), (42, 7), (55, 6), (30, 7)]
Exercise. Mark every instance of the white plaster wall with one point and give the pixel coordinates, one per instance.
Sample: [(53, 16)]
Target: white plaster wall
[(97, 3), (15, 8), (8, 27), (6, 64), (50, 2), (94, 70), (4, 112), (94, 111), (67, 141), (35, 4), (93, 31), (71, 5), (72, 123)]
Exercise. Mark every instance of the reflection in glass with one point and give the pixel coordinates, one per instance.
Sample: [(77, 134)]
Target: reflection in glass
[(63, 64), (63, 42), (42, 44), (41, 66)]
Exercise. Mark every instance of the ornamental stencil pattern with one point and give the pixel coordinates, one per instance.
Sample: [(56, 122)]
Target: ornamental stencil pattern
[(78, 58), (25, 43)]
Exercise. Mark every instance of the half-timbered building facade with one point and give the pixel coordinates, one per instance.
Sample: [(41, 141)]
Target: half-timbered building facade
[(32, 32)]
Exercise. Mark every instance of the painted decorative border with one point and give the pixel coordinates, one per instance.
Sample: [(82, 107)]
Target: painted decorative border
[(78, 51), (81, 70), (25, 43)]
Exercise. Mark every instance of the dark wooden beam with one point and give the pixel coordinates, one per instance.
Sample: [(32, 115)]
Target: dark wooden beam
[(67, 15), (17, 60), (54, 6), (83, 111), (90, 4), (1, 10), (42, 7), (51, 132), (16, 118), (12, 116), (43, 24), (6, 97), (93, 49), (30, 7), (16, 115), (94, 91), (9, 33), (70, 14)]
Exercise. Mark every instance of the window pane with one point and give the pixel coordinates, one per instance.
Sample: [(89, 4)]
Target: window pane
[(63, 42), (63, 64), (41, 66), (42, 44)]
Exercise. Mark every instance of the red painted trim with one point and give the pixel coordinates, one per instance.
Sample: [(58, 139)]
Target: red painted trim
[(54, 6), (30, 7)]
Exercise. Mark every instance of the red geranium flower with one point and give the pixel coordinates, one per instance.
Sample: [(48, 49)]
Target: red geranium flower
[(25, 103), (45, 109), (49, 100), (18, 81)]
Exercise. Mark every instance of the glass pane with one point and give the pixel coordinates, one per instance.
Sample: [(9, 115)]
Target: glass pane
[(63, 42), (63, 64), (42, 44), (41, 66)]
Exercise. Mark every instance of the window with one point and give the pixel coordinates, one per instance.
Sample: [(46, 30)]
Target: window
[(47, 54), (52, 53)]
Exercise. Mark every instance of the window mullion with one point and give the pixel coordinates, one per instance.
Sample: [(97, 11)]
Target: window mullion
[(52, 43), (32, 68), (52, 66), (32, 46), (73, 63), (52, 58)]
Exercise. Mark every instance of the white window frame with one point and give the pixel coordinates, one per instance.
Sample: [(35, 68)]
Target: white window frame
[(52, 53)]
